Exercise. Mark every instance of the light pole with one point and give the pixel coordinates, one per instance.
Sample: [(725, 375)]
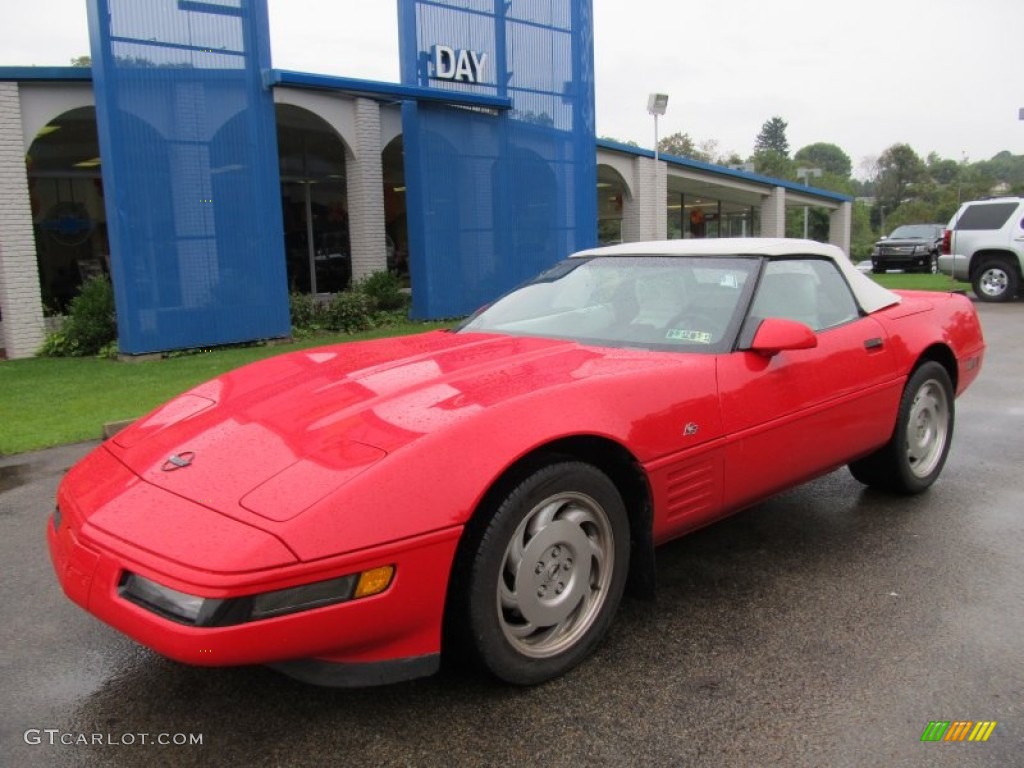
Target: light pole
[(656, 104), (804, 174)]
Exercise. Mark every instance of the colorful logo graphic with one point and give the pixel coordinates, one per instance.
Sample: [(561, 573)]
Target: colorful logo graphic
[(958, 730)]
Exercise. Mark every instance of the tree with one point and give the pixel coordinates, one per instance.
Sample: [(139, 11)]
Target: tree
[(862, 237), (828, 157), (942, 171), (898, 168), (770, 162), (773, 137), (679, 144), (708, 152), (81, 61), (1005, 168)]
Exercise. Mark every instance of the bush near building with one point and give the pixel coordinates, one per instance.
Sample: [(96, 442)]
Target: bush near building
[(374, 302), (90, 327)]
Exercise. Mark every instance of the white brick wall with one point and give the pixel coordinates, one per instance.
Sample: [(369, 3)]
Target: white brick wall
[(773, 214), (19, 274), (645, 216), (365, 178), (840, 225)]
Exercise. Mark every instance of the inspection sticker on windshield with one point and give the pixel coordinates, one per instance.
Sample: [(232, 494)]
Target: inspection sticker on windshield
[(694, 337)]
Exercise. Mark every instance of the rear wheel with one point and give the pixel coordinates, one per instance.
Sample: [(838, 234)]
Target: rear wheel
[(913, 458), (540, 580), (995, 280)]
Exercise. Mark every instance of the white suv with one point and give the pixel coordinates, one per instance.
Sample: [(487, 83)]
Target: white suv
[(984, 244)]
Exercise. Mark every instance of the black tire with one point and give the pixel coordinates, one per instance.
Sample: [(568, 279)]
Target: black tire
[(996, 280), (539, 578), (877, 270), (913, 458), (933, 263)]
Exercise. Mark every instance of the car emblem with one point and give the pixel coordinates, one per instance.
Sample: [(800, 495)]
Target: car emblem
[(178, 461), (690, 429)]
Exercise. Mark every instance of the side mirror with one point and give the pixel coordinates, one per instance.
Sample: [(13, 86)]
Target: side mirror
[(776, 334)]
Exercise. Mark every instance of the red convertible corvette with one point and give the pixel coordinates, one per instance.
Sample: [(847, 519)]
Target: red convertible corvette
[(344, 514)]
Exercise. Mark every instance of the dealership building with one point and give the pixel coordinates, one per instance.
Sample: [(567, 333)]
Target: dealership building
[(208, 184)]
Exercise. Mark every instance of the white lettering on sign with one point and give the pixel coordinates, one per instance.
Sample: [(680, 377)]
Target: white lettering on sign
[(458, 65)]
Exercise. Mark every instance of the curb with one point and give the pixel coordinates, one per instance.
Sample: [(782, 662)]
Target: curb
[(111, 428)]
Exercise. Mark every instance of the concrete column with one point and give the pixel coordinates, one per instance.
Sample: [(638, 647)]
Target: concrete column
[(773, 214), (20, 298), (661, 201), (840, 225), (365, 179), (632, 228), (644, 217)]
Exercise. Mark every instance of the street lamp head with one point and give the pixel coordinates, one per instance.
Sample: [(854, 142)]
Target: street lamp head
[(656, 103), (804, 174)]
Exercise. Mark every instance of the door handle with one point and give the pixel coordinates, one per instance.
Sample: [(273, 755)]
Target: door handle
[(876, 343)]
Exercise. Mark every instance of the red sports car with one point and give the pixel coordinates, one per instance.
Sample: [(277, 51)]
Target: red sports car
[(345, 514)]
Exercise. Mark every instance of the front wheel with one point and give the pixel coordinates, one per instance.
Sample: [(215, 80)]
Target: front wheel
[(542, 578), (913, 458), (995, 281)]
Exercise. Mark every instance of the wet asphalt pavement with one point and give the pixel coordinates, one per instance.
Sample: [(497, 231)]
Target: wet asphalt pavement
[(826, 627)]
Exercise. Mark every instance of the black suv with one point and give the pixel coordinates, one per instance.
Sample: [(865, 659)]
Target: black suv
[(912, 248)]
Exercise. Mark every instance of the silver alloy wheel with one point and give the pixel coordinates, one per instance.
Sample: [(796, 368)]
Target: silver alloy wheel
[(927, 428), (994, 281), (555, 574)]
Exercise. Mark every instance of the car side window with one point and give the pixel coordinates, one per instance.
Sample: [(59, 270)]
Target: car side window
[(986, 216), (810, 291)]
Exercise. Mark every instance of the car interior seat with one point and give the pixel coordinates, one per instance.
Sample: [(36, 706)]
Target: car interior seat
[(790, 295)]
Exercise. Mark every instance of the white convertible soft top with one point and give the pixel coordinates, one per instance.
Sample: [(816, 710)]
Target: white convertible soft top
[(869, 294)]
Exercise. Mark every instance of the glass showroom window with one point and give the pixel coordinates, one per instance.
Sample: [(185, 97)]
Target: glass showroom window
[(314, 202)]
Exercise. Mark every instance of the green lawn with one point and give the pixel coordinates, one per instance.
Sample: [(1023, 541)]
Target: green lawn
[(920, 282), (51, 401)]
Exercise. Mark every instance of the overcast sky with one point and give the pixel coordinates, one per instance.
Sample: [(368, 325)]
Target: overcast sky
[(939, 75)]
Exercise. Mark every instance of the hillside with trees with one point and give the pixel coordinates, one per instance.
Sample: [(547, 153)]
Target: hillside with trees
[(896, 187)]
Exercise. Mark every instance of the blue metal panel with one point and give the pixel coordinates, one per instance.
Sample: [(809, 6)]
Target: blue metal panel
[(494, 198), (189, 150)]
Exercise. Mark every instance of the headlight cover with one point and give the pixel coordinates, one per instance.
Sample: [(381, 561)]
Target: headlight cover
[(212, 612)]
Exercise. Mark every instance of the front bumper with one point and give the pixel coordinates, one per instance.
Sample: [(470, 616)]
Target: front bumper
[(901, 261), (391, 636)]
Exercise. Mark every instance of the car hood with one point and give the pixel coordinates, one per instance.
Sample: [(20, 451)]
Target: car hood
[(265, 442)]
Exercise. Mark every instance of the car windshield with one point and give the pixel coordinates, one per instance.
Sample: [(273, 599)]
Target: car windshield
[(915, 230), (648, 301)]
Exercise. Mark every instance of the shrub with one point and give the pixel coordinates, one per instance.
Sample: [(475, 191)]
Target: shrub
[(385, 290), (307, 312), (91, 323), (349, 311)]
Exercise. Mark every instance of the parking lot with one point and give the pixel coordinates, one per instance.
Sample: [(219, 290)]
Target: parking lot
[(826, 627)]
